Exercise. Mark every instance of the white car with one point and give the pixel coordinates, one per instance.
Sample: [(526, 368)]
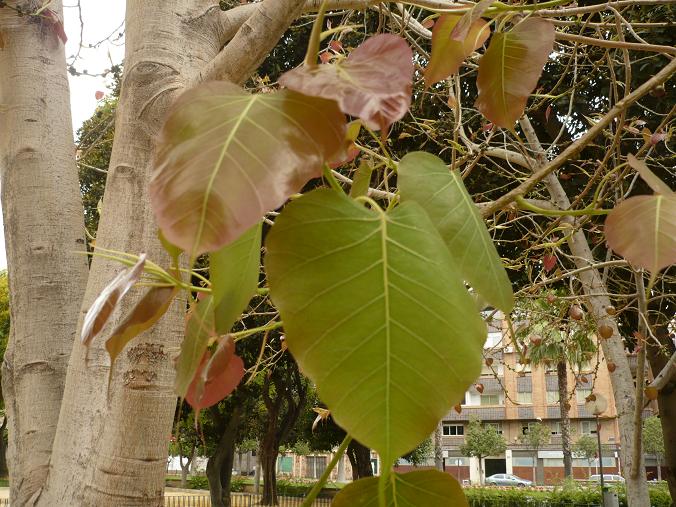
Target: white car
[(606, 478)]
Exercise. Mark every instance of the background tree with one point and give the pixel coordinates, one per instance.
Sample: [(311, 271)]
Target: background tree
[(556, 333), (538, 435), (482, 441), (422, 454), (653, 441), (586, 447)]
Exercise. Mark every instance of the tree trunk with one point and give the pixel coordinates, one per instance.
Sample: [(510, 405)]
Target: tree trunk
[(438, 448), (43, 223), (481, 472), (110, 448), (268, 460), (562, 375), (535, 460), (666, 401), (360, 459), (597, 301), (3, 449), (219, 466), (184, 472)]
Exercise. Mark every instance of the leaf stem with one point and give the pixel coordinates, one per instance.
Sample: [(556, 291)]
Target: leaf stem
[(239, 335), (315, 36), (327, 472), (331, 179)]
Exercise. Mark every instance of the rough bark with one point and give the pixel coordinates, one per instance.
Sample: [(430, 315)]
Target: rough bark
[(438, 448), (562, 374), (597, 301), (360, 460), (219, 466), (113, 451), (43, 223), (3, 449), (658, 356), (268, 452)]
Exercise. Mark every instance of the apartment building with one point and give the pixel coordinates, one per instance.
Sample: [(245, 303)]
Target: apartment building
[(515, 396)]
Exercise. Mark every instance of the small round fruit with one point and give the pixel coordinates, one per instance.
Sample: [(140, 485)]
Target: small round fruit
[(605, 331), (575, 312), (611, 366)]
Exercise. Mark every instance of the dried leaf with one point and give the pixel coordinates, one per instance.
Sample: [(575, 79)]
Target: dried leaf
[(152, 306), (648, 176), (651, 393), (510, 69), (102, 307), (448, 54), (227, 157), (322, 415), (642, 229), (217, 375), (373, 83)]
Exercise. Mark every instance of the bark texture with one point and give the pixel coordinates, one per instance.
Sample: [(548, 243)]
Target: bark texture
[(219, 466), (438, 448), (597, 301), (360, 460), (43, 221), (111, 448), (562, 375), (658, 356)]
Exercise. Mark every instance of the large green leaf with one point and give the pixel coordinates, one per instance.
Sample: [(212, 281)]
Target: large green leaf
[(448, 53), (226, 157), (234, 277), (422, 488), (199, 329), (642, 229), (427, 180), (375, 314), (510, 69), (374, 83)]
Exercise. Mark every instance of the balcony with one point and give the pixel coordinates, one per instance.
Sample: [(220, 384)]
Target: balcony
[(481, 413)]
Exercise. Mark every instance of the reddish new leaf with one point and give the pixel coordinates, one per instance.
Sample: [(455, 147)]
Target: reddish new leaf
[(373, 83), (461, 29), (642, 229), (217, 376), (350, 150), (99, 94), (447, 53), (549, 262), (102, 307), (227, 157), (56, 24), (648, 176), (152, 306), (510, 69)]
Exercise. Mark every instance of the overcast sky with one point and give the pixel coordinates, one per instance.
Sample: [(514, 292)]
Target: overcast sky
[(101, 20)]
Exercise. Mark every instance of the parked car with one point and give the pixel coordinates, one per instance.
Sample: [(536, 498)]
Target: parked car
[(508, 480), (606, 478)]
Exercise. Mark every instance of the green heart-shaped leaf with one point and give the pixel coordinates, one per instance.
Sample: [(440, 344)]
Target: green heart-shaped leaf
[(423, 488), (375, 314), (427, 180)]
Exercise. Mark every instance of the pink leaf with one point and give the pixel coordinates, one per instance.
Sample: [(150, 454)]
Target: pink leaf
[(336, 45), (373, 83), (102, 307), (325, 57), (217, 375), (549, 262), (56, 24), (99, 95), (657, 137)]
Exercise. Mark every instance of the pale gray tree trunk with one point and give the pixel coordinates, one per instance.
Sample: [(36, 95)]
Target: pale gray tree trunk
[(597, 301), (43, 221), (438, 448)]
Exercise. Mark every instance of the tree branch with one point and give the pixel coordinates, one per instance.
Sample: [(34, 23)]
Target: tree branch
[(572, 150), (664, 376)]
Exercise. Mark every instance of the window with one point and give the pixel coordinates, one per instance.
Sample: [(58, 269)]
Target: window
[(553, 462), (493, 340), (524, 397), (588, 427), (453, 430), (490, 399), (496, 426), (556, 427), (522, 462), (581, 394), (315, 466), (552, 397), (526, 427)]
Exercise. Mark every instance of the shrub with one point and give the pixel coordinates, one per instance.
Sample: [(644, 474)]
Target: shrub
[(198, 482), (237, 484)]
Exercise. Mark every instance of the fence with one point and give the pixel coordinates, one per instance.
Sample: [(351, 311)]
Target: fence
[(237, 500), (525, 503)]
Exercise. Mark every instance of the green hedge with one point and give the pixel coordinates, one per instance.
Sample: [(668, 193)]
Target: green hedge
[(198, 482), (566, 495)]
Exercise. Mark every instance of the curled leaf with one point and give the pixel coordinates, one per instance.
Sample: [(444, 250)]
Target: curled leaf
[(373, 83), (102, 307), (510, 69), (227, 157), (448, 53), (648, 176), (152, 306), (322, 415), (217, 375)]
